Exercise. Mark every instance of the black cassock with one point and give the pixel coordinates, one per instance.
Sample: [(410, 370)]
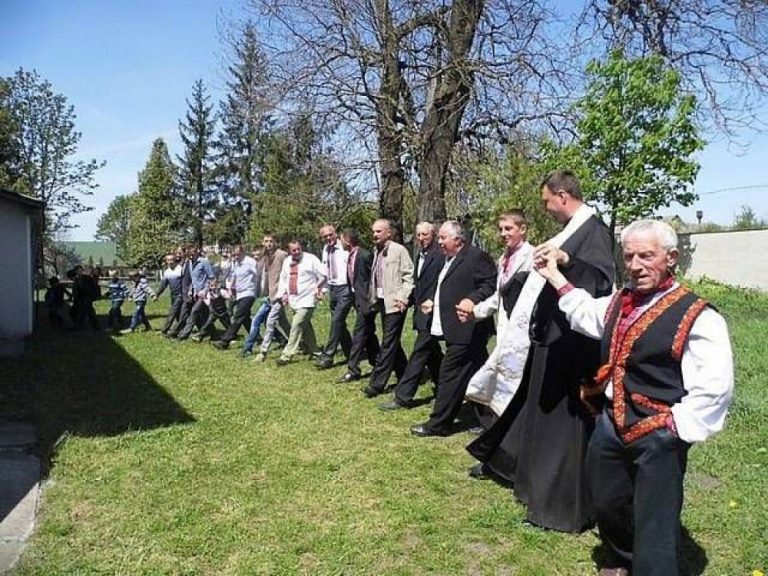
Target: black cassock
[(540, 441)]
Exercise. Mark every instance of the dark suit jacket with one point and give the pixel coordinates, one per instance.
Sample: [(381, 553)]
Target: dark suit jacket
[(472, 275), (362, 280), (425, 284)]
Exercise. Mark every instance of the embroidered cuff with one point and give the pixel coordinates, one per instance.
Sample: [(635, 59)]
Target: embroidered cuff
[(563, 290)]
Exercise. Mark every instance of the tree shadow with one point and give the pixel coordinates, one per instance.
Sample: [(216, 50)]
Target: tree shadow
[(81, 383), (693, 558)]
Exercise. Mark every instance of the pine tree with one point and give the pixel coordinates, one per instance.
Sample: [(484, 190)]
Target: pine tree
[(157, 210), (246, 122), (197, 162)]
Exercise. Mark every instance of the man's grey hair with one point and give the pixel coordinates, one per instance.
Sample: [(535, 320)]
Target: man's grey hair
[(664, 232), (455, 229), (426, 226)]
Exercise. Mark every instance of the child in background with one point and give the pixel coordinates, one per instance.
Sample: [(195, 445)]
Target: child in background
[(117, 292), (216, 298), (140, 293), (54, 300)]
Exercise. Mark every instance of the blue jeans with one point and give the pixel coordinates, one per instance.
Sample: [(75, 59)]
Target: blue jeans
[(140, 316), (258, 319)]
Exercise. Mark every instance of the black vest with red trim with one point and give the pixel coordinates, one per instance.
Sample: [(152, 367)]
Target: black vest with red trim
[(645, 368)]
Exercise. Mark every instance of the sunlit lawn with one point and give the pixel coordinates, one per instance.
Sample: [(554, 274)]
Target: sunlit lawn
[(176, 458)]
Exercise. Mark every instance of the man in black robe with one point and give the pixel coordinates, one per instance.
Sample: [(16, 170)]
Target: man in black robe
[(539, 443)]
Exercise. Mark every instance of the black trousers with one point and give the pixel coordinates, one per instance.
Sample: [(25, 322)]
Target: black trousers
[(391, 356), (216, 311), (197, 317), (240, 317), (459, 364), (637, 493), (364, 342), (340, 300), (187, 302), (426, 353), (174, 312)]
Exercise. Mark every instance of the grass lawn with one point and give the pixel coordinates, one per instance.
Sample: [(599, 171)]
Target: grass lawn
[(176, 458)]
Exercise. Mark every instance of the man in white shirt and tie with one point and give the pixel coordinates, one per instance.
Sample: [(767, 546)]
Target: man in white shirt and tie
[(334, 258)]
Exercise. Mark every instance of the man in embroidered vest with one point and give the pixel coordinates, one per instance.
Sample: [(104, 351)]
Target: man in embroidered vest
[(665, 382)]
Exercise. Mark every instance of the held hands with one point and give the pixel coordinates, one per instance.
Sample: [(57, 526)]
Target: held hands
[(401, 306), (427, 306), (544, 252), (465, 310), (545, 260)]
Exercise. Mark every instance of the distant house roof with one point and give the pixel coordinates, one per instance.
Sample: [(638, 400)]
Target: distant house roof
[(21, 199), (106, 251)]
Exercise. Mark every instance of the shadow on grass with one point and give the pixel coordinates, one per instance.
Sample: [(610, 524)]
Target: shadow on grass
[(693, 558), (83, 384)]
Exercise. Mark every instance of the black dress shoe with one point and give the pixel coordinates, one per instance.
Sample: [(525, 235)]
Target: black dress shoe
[(479, 472), (348, 377), (394, 404), (220, 344), (423, 431), (371, 393), (324, 362)]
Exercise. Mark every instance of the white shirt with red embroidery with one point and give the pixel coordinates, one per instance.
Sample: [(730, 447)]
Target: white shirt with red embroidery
[(706, 365)]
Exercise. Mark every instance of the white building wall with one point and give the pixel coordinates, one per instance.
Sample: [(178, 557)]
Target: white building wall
[(737, 258), (16, 297)]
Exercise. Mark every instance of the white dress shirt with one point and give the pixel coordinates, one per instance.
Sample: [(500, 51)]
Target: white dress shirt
[(437, 323), (336, 262), (707, 362), (311, 276)]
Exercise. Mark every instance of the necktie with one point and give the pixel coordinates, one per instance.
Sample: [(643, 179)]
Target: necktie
[(331, 263), (351, 267), (293, 278)]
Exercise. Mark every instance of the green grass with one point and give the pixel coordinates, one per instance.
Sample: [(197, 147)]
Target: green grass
[(174, 458)]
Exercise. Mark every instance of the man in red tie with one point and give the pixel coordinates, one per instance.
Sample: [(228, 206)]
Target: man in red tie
[(335, 258), (665, 382), (364, 340)]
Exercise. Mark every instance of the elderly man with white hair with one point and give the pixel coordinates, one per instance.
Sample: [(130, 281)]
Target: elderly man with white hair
[(468, 276), (665, 382)]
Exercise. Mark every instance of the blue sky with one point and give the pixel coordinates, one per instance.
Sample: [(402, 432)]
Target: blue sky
[(128, 66)]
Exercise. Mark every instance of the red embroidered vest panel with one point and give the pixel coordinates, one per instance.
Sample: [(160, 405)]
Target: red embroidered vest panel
[(644, 358)]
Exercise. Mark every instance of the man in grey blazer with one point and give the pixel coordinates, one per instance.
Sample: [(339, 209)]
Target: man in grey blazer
[(389, 293)]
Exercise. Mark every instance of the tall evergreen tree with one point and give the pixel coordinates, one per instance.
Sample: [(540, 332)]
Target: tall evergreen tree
[(197, 163), (157, 210), (246, 121)]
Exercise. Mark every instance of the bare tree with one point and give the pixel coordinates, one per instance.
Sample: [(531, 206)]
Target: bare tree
[(407, 79), (719, 46)]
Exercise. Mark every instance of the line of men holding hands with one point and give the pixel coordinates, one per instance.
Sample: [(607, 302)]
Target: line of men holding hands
[(591, 397)]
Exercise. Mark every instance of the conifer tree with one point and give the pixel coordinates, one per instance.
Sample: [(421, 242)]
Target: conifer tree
[(246, 121), (157, 211), (197, 163)]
